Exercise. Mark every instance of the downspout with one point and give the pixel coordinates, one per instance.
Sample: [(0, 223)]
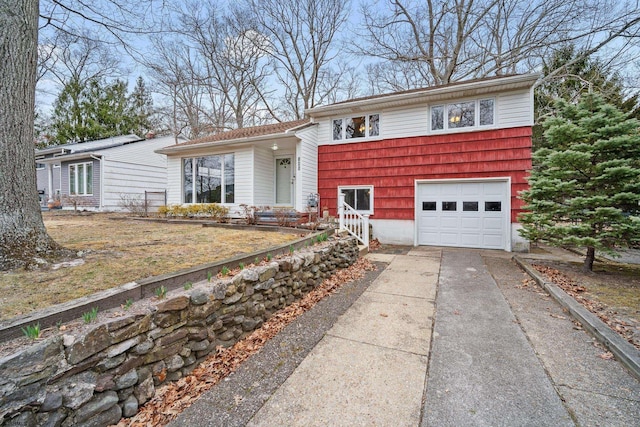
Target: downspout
[(99, 159)]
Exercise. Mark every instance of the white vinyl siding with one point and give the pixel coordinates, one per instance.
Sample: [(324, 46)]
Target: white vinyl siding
[(306, 166), (174, 183), (120, 178), (514, 109), (243, 176), (511, 109), (264, 178)]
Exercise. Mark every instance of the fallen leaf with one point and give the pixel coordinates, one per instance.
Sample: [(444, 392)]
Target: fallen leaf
[(606, 356), (384, 315)]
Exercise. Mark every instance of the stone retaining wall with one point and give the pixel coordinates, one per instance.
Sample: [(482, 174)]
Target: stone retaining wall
[(102, 372)]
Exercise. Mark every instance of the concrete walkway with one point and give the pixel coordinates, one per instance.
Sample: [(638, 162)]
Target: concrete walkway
[(378, 353), (370, 368)]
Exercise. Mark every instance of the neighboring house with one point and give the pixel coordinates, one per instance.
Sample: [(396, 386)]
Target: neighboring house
[(96, 174), (434, 166)]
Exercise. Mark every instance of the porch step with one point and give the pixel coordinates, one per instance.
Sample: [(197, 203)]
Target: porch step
[(363, 250)]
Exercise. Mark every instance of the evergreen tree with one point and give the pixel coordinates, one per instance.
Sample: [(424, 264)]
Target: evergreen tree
[(141, 109), (585, 190), (578, 77), (93, 111)]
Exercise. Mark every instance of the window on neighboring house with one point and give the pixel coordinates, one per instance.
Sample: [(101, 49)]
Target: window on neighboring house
[(463, 114), (364, 126), (209, 179), (39, 166), (359, 197), (81, 179)]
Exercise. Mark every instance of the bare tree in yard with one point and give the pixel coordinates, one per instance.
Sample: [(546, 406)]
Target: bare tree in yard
[(232, 65), (192, 109), (302, 40), (23, 237), (433, 43)]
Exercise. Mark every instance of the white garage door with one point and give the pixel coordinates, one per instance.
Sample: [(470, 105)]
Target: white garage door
[(464, 214)]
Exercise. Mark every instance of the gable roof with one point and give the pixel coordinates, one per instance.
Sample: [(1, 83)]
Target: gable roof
[(467, 88), (98, 144), (249, 134), (99, 147)]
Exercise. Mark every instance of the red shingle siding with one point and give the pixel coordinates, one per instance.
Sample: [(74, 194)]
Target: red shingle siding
[(393, 165)]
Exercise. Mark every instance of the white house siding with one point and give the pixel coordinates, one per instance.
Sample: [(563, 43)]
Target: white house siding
[(263, 178), (306, 166), (129, 179), (141, 152), (514, 109), (174, 180), (243, 180)]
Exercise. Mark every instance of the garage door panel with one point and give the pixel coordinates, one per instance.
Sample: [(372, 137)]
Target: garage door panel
[(470, 223), (473, 227)]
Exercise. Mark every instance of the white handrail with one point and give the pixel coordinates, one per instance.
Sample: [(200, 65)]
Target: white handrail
[(353, 221)]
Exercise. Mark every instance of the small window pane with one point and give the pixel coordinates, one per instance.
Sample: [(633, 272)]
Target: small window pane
[(486, 112), (72, 179), (350, 197), (428, 206), (355, 127), (187, 179), (229, 178), (363, 199), (470, 206), (337, 129), (89, 170), (81, 179), (374, 125), (493, 206), (449, 206), (461, 114), (437, 117)]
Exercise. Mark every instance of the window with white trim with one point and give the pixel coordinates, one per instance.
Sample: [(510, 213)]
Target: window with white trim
[(209, 179), (467, 114), (81, 179), (364, 126), (359, 197)]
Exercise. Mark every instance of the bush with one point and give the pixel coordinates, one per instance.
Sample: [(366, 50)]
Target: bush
[(197, 210), (134, 204)]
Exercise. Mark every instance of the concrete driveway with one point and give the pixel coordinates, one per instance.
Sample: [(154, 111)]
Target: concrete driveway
[(435, 337)]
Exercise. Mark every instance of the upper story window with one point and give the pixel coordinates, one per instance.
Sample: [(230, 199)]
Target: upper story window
[(39, 166), (479, 112), (81, 179), (356, 127)]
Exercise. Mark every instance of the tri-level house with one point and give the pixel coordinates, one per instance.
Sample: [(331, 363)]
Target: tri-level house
[(440, 165)]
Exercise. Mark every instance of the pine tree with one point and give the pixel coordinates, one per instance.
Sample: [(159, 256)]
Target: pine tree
[(141, 109), (92, 111), (585, 191)]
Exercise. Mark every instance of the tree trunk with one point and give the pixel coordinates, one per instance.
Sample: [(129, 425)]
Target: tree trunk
[(23, 237), (588, 261)]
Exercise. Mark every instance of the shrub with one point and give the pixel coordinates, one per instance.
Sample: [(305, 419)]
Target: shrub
[(196, 210)]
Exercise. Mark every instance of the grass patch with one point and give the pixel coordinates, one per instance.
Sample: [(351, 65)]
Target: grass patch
[(120, 251)]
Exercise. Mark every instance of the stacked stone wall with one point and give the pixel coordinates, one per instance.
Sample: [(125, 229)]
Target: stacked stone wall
[(98, 374)]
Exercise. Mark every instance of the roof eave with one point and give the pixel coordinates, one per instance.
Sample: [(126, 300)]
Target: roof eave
[(523, 81), (224, 143)]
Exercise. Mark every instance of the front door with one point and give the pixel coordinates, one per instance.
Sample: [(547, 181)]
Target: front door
[(284, 181)]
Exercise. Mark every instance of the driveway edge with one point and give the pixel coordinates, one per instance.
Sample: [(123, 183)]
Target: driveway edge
[(625, 352)]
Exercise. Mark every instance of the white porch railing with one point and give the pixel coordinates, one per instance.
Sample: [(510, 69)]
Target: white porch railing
[(353, 222)]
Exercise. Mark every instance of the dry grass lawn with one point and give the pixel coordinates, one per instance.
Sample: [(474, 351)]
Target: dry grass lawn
[(118, 251)]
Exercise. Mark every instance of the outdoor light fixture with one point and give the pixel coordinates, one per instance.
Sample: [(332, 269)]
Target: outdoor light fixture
[(274, 147)]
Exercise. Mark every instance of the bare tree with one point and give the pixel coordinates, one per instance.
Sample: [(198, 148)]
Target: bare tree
[(301, 40), (433, 43), (23, 238), (232, 64)]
